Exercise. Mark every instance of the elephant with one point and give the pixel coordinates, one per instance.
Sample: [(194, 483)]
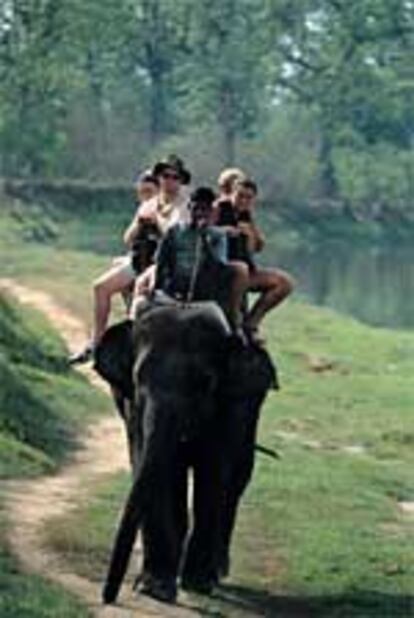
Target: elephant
[(190, 395)]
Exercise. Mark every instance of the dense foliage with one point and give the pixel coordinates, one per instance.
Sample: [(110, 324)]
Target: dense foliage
[(315, 97)]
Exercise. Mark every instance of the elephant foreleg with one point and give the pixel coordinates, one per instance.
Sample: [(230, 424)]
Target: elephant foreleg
[(237, 471), (165, 527), (200, 566)]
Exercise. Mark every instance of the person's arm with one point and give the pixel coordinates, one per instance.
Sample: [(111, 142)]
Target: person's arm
[(219, 244), (221, 218), (259, 239), (255, 239), (164, 260), (144, 213), (132, 230)]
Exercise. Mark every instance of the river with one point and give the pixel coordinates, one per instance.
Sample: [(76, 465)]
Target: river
[(375, 285)]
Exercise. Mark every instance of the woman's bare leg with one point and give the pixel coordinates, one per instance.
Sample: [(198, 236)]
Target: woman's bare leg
[(113, 281), (274, 286), (144, 285), (239, 286)]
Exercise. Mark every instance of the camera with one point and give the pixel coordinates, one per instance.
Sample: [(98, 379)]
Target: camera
[(144, 246), (245, 217)]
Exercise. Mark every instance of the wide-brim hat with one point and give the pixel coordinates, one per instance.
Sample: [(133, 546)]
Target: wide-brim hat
[(175, 163)]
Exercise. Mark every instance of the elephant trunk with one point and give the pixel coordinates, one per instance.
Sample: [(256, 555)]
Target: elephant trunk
[(135, 508), (125, 537)]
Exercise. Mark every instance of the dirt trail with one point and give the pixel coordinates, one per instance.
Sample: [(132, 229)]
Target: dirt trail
[(31, 503)]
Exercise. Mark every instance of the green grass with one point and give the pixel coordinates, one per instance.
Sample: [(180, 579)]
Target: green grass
[(84, 537), (43, 403), (322, 526), (24, 596), (56, 252), (319, 529), (43, 407)]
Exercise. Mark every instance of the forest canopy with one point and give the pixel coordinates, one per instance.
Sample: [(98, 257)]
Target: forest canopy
[(315, 97)]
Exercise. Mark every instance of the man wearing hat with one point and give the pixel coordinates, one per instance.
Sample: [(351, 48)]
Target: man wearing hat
[(169, 206), (166, 207)]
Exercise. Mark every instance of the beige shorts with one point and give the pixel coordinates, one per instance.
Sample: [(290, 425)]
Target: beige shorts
[(124, 264)]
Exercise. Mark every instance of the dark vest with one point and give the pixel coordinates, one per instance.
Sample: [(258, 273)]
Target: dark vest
[(237, 246)]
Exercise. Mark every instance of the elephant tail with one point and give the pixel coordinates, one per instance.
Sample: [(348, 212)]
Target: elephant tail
[(125, 537)]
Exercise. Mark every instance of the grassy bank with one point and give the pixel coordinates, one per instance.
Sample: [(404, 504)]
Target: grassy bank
[(43, 404), (81, 239), (43, 407), (56, 251), (24, 596), (323, 527)]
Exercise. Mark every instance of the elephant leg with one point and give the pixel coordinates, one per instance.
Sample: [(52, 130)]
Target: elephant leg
[(237, 472), (200, 565), (180, 510), (230, 503), (149, 503), (228, 521), (165, 525)]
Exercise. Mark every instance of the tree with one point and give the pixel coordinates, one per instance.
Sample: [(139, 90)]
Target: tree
[(226, 71), (32, 102), (347, 60)]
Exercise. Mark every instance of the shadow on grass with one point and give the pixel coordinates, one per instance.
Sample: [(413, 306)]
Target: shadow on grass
[(233, 600)]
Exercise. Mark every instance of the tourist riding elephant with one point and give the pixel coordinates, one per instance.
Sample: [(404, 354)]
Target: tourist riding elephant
[(177, 376)]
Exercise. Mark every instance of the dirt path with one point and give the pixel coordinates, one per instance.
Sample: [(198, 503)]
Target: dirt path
[(31, 503)]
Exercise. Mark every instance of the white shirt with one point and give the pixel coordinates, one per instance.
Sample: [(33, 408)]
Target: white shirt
[(166, 214)]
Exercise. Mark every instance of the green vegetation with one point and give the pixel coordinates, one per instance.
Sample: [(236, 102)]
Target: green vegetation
[(24, 596), (43, 405), (98, 89), (57, 252), (321, 528)]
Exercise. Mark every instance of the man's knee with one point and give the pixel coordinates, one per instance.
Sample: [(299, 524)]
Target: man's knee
[(285, 283), (100, 288), (240, 271)]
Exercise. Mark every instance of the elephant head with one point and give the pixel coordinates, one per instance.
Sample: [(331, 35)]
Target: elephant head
[(114, 358)]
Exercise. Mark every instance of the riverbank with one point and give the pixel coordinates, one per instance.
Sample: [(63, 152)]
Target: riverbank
[(43, 408), (324, 530), (358, 268), (287, 225)]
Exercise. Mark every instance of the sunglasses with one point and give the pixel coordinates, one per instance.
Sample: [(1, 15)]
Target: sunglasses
[(171, 176)]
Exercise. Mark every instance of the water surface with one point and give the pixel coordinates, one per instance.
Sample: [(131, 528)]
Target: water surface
[(376, 285)]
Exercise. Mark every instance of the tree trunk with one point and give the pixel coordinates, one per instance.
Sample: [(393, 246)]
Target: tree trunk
[(158, 107), (227, 118), (229, 138), (328, 176)]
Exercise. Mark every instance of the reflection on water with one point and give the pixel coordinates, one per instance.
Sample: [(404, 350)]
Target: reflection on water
[(374, 285)]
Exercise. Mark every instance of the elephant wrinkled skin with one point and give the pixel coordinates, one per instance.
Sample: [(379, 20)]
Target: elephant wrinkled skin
[(190, 395)]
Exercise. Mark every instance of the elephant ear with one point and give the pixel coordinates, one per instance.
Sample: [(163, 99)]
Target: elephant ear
[(250, 371), (114, 358)]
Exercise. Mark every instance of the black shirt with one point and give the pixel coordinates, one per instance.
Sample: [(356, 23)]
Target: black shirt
[(237, 245)]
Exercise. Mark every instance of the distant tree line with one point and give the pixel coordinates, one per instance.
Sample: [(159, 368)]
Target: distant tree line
[(315, 97)]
